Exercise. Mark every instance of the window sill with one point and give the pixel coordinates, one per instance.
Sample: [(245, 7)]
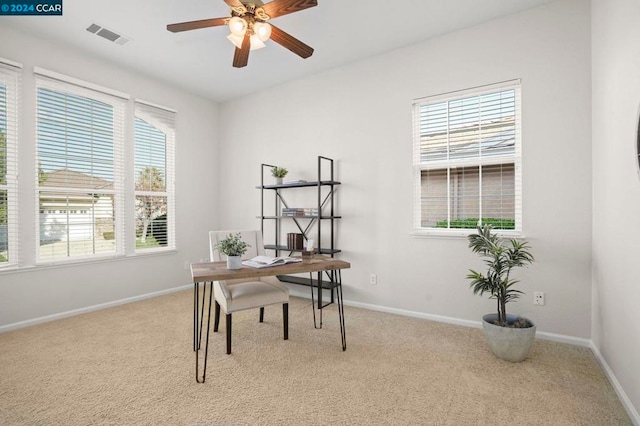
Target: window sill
[(9, 269), (459, 233)]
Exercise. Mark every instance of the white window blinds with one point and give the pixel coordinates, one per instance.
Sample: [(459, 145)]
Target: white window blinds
[(467, 159), (10, 74), (154, 136), (79, 143)]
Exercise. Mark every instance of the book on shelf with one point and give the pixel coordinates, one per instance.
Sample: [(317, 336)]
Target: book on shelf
[(267, 261), (299, 212)]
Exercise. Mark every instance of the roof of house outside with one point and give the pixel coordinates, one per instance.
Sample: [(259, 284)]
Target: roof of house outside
[(65, 178)]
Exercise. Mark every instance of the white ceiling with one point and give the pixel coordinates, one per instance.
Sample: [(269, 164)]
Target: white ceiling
[(340, 31)]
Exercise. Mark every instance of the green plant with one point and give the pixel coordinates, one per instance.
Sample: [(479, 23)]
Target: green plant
[(279, 172), (232, 245), (501, 258)]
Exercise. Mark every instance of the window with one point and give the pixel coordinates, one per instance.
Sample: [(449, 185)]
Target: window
[(467, 160), (154, 136), (9, 86), (79, 142)]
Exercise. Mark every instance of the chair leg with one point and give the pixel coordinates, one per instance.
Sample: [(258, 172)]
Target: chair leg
[(285, 320), (228, 333), (216, 321), (261, 313)]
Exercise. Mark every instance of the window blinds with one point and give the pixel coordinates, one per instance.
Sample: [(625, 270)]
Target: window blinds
[(10, 80), (467, 158), (154, 139), (80, 169)]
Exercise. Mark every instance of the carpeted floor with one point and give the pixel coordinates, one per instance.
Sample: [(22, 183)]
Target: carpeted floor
[(134, 365)]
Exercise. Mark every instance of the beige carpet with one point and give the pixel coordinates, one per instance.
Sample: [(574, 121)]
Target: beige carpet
[(134, 365)]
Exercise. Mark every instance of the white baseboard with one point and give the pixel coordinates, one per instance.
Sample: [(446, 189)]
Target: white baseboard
[(47, 318), (451, 320), (626, 402)]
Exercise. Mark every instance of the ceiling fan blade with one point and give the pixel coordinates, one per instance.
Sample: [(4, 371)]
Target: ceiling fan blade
[(241, 56), (194, 25), (284, 7), (290, 42), (233, 3)]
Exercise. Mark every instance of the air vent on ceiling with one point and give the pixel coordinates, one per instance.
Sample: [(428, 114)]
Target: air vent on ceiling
[(108, 34)]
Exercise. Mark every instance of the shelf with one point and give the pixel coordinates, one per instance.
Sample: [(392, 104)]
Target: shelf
[(299, 217), (327, 285), (285, 248), (300, 185)]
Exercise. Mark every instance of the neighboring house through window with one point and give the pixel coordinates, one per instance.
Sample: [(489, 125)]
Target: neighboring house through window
[(9, 86), (79, 169), (467, 160), (154, 136)]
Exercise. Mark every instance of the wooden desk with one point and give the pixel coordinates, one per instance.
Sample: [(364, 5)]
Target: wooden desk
[(217, 271)]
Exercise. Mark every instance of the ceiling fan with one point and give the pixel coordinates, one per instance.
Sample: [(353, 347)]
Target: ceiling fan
[(249, 26)]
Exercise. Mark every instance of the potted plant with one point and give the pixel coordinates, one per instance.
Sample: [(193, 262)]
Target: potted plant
[(233, 247), (279, 173), (509, 336)]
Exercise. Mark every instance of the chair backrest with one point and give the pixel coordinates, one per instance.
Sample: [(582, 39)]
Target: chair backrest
[(251, 237)]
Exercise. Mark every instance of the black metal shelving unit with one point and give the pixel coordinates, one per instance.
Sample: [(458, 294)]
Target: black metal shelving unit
[(321, 227)]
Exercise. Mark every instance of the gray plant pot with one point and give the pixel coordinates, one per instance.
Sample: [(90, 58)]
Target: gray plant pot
[(509, 344), (234, 262)]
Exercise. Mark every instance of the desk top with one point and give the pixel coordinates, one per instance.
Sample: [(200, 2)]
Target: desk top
[(217, 271)]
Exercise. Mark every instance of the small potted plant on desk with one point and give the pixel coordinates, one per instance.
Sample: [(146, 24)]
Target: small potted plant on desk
[(279, 173), (233, 247), (509, 336)]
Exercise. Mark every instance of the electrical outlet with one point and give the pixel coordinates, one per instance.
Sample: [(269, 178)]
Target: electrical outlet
[(538, 298), (373, 279), (186, 264)]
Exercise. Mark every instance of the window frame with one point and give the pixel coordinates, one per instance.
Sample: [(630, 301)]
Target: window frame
[(447, 164), (49, 80), (11, 78), (163, 119)]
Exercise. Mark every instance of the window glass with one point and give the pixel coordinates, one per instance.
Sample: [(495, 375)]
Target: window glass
[(9, 86), (79, 161), (467, 159), (154, 146)]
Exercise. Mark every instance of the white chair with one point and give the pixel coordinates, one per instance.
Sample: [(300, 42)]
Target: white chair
[(249, 293)]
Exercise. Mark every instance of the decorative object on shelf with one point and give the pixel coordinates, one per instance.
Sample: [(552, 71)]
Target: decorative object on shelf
[(233, 247), (299, 212), (509, 336), (295, 241), (250, 28), (279, 173)]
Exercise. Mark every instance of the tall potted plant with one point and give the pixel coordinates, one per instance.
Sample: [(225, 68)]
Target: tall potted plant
[(510, 337), (233, 247)]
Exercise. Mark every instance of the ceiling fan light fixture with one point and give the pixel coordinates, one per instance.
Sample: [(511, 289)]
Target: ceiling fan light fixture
[(238, 26), (262, 30), (256, 43), (236, 40)]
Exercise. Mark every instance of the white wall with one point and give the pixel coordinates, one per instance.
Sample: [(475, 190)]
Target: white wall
[(37, 292), (616, 190), (360, 114)]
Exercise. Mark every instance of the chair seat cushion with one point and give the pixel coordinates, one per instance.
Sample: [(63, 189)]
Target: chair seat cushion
[(249, 295)]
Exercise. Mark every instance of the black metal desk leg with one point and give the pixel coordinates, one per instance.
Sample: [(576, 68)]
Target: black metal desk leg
[(343, 333), (204, 292), (206, 348), (198, 313), (195, 316), (313, 303)]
